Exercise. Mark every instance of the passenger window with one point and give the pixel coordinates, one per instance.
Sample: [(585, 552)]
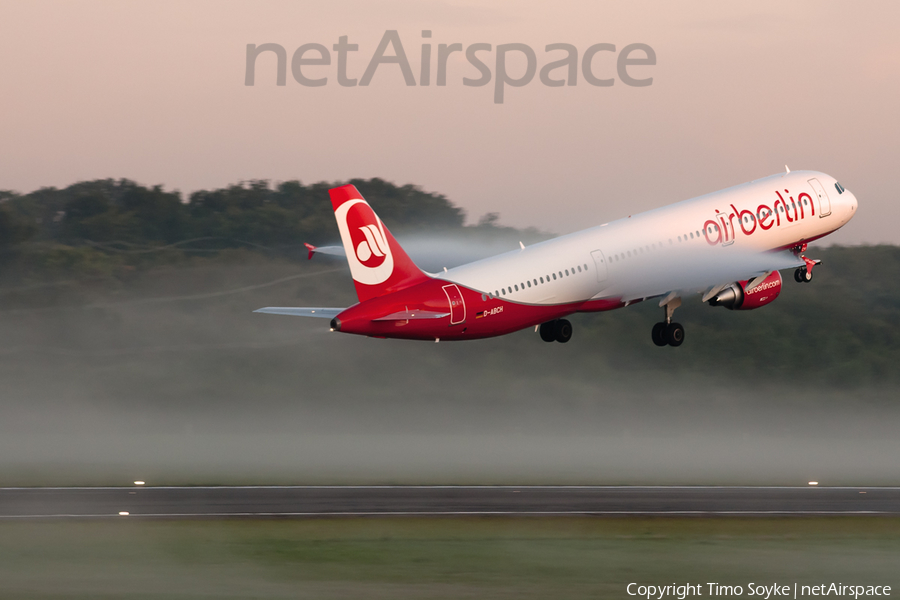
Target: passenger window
[(585, 266), (567, 272), (483, 297), (554, 277), (579, 268), (560, 274), (535, 282), (692, 235), (517, 288), (542, 280), (529, 283)]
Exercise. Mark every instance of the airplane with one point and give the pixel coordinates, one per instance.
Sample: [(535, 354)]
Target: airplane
[(727, 247)]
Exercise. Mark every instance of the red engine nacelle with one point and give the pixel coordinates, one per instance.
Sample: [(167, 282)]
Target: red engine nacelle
[(737, 297)]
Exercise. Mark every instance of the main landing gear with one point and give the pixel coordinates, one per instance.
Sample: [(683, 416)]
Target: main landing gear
[(559, 330), (668, 333)]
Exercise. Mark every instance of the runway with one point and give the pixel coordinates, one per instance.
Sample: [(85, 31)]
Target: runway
[(336, 501)]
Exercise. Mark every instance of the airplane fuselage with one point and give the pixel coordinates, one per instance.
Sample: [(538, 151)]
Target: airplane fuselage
[(681, 249)]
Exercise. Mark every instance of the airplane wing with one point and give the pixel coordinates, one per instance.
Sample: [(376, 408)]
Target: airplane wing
[(712, 273), (302, 311)]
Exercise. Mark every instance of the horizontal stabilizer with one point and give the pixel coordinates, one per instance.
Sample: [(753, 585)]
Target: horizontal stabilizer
[(332, 250), (321, 313), (412, 315)]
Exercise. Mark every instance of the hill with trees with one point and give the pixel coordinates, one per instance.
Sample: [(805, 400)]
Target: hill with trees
[(98, 225)]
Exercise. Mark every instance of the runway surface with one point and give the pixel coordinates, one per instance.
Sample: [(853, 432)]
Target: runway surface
[(312, 501)]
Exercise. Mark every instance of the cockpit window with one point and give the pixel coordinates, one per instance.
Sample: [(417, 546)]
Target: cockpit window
[(839, 187)]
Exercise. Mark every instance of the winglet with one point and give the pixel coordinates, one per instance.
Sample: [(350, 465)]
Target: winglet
[(312, 250), (786, 170)]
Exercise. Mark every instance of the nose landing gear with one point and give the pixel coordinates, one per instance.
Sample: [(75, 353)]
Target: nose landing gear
[(804, 273), (668, 333)]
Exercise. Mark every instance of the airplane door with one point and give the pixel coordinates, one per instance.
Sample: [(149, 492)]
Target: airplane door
[(728, 238), (457, 304), (824, 202), (600, 263)]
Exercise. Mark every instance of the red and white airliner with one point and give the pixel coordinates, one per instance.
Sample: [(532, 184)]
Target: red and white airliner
[(727, 247)]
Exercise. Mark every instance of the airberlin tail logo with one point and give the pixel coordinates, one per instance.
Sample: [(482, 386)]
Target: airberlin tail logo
[(365, 242), (372, 251)]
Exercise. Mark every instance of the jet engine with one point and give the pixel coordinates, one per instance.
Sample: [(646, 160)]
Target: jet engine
[(737, 297)]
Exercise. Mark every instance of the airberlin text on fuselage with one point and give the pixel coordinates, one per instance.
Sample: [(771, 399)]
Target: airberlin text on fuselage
[(721, 230)]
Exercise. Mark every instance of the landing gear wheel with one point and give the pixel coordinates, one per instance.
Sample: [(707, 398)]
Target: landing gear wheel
[(805, 275), (548, 331), (563, 331), (674, 334), (659, 334), (797, 276)]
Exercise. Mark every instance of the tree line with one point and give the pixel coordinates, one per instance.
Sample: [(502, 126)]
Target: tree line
[(89, 222)]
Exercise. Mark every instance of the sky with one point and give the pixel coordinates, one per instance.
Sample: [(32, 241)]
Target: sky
[(155, 92)]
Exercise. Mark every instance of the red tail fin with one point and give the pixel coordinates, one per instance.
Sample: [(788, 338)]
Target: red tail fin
[(378, 264)]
